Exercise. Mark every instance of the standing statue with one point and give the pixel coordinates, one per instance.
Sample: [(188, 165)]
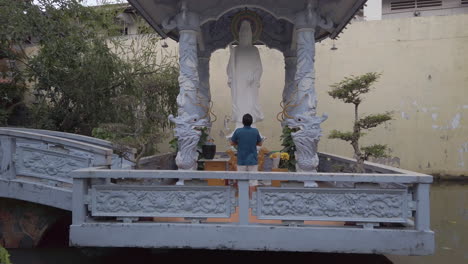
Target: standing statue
[(244, 72)]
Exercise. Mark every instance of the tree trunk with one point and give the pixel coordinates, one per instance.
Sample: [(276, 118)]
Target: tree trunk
[(355, 142)]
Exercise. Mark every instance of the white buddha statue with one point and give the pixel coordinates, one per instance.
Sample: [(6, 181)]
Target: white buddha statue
[(244, 72)]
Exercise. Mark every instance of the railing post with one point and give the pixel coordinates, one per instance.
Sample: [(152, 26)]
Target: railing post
[(423, 215), (80, 189), (243, 201), (7, 165)]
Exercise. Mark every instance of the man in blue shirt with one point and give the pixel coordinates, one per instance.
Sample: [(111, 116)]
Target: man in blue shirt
[(246, 139)]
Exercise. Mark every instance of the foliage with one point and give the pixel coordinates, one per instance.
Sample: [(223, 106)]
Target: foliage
[(84, 77), (288, 147), (376, 150), (11, 97), (174, 144), (372, 121), (346, 136), (203, 137), (4, 256), (350, 90)]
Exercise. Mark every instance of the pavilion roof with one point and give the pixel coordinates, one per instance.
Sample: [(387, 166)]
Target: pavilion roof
[(155, 11)]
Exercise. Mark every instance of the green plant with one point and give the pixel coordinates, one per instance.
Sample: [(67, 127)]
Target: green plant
[(81, 74), (350, 90), (289, 147), (174, 144), (4, 256)]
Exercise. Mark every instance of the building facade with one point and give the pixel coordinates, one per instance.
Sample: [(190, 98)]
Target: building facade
[(414, 8)]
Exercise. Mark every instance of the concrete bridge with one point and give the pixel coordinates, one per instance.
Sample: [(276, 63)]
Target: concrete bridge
[(384, 211)]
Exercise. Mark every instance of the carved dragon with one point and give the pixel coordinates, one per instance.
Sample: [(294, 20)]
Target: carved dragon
[(187, 132), (306, 134)]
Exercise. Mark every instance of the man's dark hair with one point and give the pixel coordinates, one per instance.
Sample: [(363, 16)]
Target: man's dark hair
[(247, 120)]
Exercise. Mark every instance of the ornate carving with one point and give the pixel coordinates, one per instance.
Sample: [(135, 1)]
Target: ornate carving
[(290, 64), (188, 134), (185, 20), (305, 97), (192, 105), (310, 18), (204, 83), (276, 34), (302, 115), (306, 136), (187, 100), (48, 164), (214, 8), (169, 201), (332, 204), (306, 21)]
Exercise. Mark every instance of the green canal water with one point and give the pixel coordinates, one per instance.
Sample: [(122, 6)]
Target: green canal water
[(449, 220)]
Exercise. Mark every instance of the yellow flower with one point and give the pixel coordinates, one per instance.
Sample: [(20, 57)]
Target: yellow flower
[(275, 155), (284, 156)]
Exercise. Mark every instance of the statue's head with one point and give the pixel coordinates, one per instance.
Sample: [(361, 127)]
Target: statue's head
[(245, 34)]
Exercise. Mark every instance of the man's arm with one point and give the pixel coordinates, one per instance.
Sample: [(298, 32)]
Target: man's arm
[(234, 139), (259, 139)]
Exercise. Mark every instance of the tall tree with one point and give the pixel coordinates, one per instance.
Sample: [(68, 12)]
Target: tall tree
[(84, 75), (350, 90)]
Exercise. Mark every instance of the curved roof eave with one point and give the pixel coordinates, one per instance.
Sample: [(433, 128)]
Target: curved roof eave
[(341, 25)]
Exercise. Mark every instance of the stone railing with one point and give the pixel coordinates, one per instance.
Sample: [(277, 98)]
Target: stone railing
[(364, 198), (376, 202), (117, 161), (36, 167)]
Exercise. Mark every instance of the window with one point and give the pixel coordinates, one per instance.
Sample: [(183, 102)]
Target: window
[(409, 8), (413, 4)]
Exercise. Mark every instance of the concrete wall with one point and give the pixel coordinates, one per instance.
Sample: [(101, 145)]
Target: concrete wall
[(424, 62)]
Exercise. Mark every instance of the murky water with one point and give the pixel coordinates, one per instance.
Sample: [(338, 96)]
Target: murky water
[(449, 219)]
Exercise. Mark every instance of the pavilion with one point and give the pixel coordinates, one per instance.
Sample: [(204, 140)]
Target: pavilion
[(291, 27)]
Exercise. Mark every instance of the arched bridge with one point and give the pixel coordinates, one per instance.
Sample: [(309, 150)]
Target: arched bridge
[(385, 210), (35, 165)]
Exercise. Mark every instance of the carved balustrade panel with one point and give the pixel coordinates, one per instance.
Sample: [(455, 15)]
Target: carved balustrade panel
[(50, 161), (328, 204), (162, 201)]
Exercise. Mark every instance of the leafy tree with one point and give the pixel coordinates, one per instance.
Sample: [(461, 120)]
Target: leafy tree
[(350, 90), (84, 76)]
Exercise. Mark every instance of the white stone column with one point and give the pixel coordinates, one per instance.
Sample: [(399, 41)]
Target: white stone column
[(188, 100), (204, 83), (304, 98), (191, 113), (290, 63)]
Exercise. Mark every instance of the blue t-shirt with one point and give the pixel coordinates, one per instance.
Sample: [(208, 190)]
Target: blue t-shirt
[(246, 139)]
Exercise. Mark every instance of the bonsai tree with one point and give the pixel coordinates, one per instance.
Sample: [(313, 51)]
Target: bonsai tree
[(350, 90)]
